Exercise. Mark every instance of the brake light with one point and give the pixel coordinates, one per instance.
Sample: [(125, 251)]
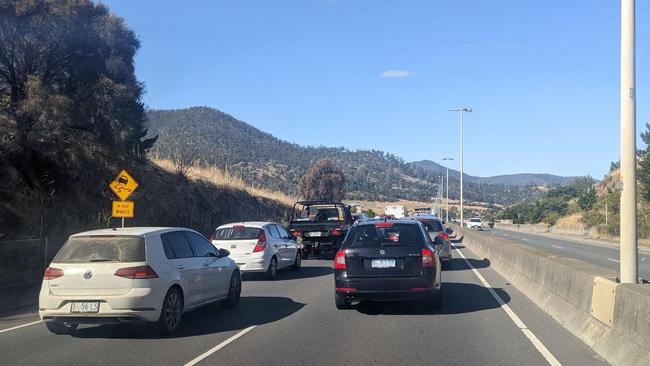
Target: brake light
[(444, 236), (239, 226), (137, 273), (52, 273), (261, 242), (384, 224), (335, 232), (346, 289), (427, 258), (339, 260), (295, 233)]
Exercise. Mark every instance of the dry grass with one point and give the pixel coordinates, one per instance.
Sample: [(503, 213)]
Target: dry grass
[(220, 178)]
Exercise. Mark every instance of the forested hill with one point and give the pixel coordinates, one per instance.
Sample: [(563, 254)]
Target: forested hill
[(213, 137)]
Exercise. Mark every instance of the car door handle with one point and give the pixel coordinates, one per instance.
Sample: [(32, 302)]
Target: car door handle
[(180, 267), (206, 264)]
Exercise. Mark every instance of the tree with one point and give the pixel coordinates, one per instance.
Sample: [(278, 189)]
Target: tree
[(587, 199), (643, 173), (323, 181), (67, 74)]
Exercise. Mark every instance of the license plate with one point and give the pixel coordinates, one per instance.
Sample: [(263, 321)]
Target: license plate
[(314, 233), (85, 307), (382, 263)]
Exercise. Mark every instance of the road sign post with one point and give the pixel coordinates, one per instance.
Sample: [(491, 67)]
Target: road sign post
[(123, 186)]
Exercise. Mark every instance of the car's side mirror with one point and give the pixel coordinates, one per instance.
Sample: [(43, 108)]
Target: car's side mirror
[(449, 230), (223, 253)]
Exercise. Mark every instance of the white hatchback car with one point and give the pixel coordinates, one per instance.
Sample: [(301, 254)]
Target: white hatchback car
[(259, 246), (133, 275), (475, 223)]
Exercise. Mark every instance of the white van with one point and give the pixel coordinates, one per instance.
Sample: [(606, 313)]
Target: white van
[(396, 211)]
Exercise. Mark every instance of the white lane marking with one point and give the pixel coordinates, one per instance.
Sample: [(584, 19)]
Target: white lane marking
[(518, 322), (557, 246), (643, 259), (220, 346), (524, 239), (20, 326), (506, 235), (613, 260)]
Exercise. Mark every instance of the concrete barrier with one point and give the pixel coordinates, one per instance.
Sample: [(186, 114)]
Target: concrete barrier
[(576, 294)]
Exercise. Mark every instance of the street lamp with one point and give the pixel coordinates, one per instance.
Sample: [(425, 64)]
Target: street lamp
[(444, 159), (461, 110)]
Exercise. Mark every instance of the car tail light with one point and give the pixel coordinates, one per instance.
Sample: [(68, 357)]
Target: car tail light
[(239, 226), (427, 258), (261, 242), (339, 260), (52, 273), (384, 224), (444, 236), (421, 289), (295, 233), (335, 232), (137, 273), (346, 289)]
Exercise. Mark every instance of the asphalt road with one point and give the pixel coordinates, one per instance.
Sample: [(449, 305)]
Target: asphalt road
[(293, 321), (600, 255)]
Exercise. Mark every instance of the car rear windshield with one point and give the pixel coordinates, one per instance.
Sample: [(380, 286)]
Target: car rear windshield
[(432, 225), (321, 213), (474, 220), (87, 249), (237, 233), (364, 236)]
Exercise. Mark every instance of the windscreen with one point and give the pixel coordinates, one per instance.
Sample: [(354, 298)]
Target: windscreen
[(474, 220), (368, 236), (237, 233), (432, 225), (86, 249)]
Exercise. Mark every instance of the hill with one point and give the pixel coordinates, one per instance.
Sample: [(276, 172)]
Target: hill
[(216, 138), (506, 180)]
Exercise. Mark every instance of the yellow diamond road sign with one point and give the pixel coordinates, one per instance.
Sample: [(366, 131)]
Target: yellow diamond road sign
[(123, 209), (123, 185)]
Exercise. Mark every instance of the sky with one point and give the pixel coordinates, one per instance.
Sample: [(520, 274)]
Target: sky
[(542, 77)]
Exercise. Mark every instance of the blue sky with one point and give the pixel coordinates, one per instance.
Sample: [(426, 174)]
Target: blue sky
[(542, 76)]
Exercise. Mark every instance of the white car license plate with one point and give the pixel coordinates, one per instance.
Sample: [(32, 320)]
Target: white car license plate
[(314, 234), (382, 263), (85, 307)]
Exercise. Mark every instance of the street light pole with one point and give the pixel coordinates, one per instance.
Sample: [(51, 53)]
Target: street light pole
[(443, 159), (461, 110), (628, 224)]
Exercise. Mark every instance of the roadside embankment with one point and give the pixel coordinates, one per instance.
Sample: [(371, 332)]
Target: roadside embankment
[(612, 318)]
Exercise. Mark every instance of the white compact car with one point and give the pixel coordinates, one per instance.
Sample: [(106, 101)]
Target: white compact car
[(259, 246), (475, 223), (133, 275)]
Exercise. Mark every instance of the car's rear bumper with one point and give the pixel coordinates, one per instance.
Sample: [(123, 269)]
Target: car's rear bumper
[(138, 305), (251, 262), (386, 289)]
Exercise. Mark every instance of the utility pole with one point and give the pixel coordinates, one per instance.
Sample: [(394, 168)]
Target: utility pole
[(461, 110), (628, 224), (443, 159)]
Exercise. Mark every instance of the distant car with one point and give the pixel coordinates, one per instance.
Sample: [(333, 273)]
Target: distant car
[(133, 275), (475, 223), (439, 235), (259, 247), (387, 260), (357, 217)]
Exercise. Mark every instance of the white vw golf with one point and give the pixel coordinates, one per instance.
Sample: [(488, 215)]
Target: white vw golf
[(135, 274), (259, 246)]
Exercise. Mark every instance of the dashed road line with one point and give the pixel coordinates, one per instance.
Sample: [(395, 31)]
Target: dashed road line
[(613, 260), (518, 322), (557, 246), (20, 326), (220, 346)]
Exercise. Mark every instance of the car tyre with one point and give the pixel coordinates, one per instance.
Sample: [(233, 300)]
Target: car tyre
[(305, 254), (342, 302), (171, 312), (61, 328), (272, 272), (234, 291), (297, 264)]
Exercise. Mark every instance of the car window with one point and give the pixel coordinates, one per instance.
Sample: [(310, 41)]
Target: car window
[(283, 232), (106, 248), (364, 236), (167, 246), (273, 231), (432, 225), (201, 245), (237, 233), (179, 244)]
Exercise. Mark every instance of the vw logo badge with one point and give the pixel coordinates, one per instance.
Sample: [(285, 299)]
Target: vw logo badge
[(382, 252), (88, 275)]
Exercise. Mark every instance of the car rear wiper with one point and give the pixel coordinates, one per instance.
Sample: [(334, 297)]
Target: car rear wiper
[(101, 260)]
